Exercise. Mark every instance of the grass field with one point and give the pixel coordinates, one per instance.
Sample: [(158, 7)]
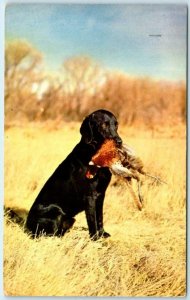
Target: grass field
[(146, 253)]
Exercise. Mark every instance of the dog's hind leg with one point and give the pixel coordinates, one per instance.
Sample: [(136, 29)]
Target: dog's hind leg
[(49, 220), (67, 223)]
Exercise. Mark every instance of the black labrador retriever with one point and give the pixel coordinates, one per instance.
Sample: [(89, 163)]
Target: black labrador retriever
[(69, 190)]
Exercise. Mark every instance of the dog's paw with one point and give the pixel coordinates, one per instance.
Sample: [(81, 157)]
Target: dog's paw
[(99, 235), (94, 237), (104, 234)]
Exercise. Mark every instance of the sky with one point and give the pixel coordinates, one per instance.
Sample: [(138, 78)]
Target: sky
[(140, 40)]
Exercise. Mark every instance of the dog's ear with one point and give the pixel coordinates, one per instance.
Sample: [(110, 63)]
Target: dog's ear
[(86, 130)]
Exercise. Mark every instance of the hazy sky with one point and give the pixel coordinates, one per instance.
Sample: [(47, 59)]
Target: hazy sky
[(145, 40)]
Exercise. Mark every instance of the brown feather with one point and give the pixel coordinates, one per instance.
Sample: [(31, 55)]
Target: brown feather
[(106, 155)]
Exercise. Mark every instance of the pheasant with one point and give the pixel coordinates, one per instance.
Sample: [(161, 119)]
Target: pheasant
[(121, 162)]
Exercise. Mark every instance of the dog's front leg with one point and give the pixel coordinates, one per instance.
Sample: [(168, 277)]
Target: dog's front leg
[(99, 216), (90, 212)]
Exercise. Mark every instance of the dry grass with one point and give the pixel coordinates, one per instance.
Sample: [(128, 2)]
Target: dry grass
[(145, 255)]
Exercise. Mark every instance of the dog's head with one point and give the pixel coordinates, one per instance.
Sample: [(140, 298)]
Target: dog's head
[(99, 126)]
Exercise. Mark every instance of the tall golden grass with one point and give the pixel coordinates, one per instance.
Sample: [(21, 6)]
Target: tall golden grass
[(145, 255)]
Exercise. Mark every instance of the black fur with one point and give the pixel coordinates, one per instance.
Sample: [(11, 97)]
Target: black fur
[(68, 191)]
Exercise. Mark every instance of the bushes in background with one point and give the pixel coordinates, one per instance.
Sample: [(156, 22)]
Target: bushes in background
[(81, 86)]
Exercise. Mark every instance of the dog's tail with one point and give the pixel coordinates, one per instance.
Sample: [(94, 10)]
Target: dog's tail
[(15, 215)]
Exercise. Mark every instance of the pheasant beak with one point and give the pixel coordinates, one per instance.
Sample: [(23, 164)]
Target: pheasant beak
[(118, 141)]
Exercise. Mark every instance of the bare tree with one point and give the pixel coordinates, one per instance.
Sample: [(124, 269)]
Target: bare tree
[(83, 79), (23, 68)]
